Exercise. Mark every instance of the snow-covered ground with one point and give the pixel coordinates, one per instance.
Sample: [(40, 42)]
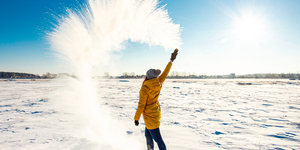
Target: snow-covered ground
[(196, 114)]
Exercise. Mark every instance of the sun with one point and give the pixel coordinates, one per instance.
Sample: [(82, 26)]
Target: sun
[(249, 27)]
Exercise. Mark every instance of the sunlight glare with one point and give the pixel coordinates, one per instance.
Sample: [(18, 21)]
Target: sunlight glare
[(249, 27)]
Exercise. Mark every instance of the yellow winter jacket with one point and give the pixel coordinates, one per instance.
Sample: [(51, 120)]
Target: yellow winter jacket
[(148, 103)]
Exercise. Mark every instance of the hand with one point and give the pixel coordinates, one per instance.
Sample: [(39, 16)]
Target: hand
[(136, 122), (174, 54)]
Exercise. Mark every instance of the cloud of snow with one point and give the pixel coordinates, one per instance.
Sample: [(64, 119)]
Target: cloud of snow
[(86, 37)]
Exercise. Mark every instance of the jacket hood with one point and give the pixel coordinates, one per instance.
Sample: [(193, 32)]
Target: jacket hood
[(153, 84)]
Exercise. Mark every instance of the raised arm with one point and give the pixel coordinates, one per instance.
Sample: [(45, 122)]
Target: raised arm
[(164, 75)]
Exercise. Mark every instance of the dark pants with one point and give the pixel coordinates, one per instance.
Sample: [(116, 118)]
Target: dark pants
[(154, 135)]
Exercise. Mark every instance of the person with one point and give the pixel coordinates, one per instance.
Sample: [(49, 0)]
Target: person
[(149, 106)]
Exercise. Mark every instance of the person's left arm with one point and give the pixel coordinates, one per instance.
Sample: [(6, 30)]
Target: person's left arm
[(141, 105)]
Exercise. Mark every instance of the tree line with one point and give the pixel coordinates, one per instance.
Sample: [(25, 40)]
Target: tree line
[(188, 75), (16, 75), (172, 75)]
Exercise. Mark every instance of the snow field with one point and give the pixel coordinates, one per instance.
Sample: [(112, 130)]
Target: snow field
[(221, 113), (196, 114)]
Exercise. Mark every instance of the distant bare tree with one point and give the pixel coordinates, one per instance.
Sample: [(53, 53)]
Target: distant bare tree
[(106, 75)]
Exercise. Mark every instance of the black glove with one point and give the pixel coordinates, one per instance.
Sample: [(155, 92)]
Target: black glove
[(174, 54), (136, 122)]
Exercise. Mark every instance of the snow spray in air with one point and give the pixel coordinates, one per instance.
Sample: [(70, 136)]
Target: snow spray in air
[(86, 37)]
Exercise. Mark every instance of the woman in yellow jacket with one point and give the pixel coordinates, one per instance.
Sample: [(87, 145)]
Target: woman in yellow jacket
[(149, 105)]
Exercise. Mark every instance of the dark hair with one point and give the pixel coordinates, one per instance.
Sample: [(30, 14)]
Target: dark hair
[(145, 80)]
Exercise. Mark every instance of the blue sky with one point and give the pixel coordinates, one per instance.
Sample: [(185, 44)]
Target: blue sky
[(219, 37)]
